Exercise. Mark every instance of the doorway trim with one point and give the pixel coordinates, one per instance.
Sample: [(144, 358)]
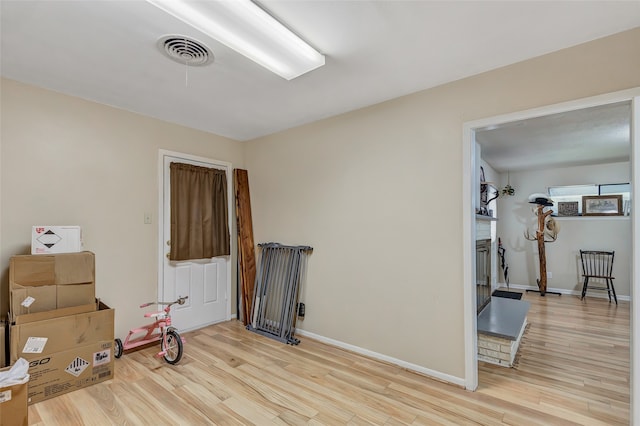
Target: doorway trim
[(469, 226), (162, 153)]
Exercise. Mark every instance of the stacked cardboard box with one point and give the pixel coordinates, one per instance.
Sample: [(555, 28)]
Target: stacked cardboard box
[(3, 347), (39, 283), (13, 404), (57, 324)]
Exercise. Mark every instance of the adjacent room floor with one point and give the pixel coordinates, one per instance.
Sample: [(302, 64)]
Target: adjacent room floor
[(572, 368)]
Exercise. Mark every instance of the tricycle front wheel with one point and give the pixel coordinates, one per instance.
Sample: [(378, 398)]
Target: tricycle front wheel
[(117, 348), (173, 349)]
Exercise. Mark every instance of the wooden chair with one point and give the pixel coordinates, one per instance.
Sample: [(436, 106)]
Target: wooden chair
[(598, 265)]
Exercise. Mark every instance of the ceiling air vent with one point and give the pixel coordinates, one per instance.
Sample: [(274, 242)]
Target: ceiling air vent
[(185, 50)]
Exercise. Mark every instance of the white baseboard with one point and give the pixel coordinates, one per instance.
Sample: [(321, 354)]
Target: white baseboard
[(564, 291), (381, 357)]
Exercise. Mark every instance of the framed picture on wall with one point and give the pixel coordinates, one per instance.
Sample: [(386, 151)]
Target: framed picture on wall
[(568, 208), (602, 205)]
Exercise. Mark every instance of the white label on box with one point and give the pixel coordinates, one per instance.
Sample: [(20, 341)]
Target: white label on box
[(101, 358), (5, 396), (34, 345), (28, 301), (77, 366)]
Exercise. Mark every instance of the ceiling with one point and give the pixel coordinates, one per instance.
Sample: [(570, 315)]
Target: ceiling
[(594, 135), (105, 51)]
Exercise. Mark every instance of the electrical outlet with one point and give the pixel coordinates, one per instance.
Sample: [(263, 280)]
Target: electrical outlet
[(148, 218), (549, 275)]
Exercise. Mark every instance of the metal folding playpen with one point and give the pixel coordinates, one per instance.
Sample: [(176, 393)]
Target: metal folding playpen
[(275, 305)]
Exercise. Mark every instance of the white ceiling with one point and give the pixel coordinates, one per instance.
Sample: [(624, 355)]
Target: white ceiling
[(588, 136), (105, 51)]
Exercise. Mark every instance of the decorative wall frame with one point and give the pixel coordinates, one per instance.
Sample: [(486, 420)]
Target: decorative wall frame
[(602, 205), (567, 208)]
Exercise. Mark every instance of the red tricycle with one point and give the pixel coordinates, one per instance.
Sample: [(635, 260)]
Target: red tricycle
[(160, 330)]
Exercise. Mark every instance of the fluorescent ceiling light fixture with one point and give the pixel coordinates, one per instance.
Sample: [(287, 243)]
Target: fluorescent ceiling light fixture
[(246, 28)]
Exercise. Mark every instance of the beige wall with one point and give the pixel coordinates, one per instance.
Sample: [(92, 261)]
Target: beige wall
[(377, 193), (586, 233), (67, 161)]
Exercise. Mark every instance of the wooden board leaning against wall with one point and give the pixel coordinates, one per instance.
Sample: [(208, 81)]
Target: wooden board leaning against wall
[(246, 248)]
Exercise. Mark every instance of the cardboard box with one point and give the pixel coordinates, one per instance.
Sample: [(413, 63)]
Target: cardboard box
[(39, 283), (65, 353), (13, 404), (3, 346), (56, 239), (41, 316), (44, 299)]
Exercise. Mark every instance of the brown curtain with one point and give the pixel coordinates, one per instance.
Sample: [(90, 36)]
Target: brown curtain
[(199, 220)]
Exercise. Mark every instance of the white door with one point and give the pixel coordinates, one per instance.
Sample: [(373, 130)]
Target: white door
[(207, 282)]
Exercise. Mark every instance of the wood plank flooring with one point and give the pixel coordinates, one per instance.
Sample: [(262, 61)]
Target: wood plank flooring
[(572, 368)]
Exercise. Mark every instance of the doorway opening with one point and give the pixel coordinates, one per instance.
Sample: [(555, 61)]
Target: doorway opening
[(632, 97)]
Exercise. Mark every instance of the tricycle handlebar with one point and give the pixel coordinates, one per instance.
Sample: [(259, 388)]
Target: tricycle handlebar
[(180, 301)]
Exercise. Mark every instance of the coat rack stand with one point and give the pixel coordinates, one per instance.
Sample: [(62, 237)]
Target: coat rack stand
[(539, 237)]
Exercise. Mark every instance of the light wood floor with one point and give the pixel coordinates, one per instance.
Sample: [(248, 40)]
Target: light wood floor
[(572, 368)]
